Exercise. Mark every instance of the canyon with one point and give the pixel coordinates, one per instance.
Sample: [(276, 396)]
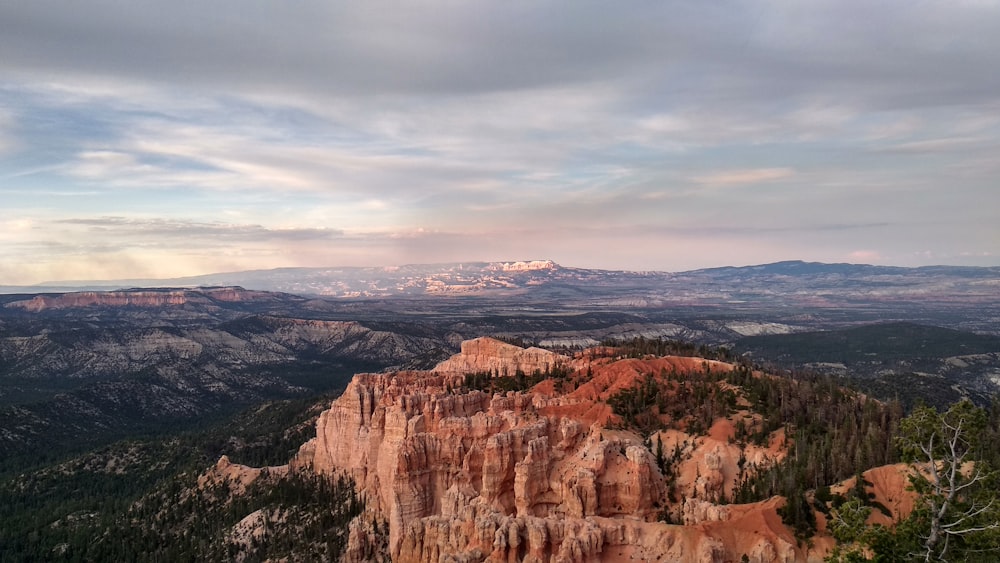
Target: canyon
[(475, 449), (497, 453)]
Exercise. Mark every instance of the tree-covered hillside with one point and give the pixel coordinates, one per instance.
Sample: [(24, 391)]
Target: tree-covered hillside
[(139, 500)]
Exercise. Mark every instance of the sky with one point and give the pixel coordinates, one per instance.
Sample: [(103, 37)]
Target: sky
[(156, 139)]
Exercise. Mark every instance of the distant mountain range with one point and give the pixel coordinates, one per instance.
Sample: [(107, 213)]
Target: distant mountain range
[(791, 292), (545, 276)]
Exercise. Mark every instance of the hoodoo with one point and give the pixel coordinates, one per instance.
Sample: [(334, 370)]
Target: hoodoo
[(548, 472)]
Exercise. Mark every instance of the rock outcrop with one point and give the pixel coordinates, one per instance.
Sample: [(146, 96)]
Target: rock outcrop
[(491, 355), (421, 452), (529, 266), (135, 298), (464, 475), (889, 486), (236, 476)]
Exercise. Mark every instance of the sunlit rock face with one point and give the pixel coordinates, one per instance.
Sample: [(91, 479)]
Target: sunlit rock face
[(463, 475), (490, 355)]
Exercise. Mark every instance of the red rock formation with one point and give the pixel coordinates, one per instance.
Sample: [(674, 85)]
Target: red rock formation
[(890, 485), (491, 355), (468, 476)]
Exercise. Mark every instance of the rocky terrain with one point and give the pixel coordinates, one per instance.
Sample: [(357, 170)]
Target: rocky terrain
[(86, 366), (136, 298), (547, 474), (76, 367), (92, 363)]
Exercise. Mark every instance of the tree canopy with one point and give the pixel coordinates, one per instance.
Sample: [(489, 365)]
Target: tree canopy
[(957, 513)]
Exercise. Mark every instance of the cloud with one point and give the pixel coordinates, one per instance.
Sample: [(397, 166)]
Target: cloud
[(453, 49), (864, 256), (862, 53), (948, 144), (740, 177), (131, 229), (334, 131), (7, 140)]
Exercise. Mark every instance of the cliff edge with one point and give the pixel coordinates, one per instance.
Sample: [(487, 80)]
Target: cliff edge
[(546, 474)]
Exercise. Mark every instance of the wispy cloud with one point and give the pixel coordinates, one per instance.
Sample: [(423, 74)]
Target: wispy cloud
[(940, 145), (7, 140), (741, 177), (237, 134), (163, 229)]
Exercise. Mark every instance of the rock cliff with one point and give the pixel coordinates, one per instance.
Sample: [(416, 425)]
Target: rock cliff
[(135, 298), (491, 355), (460, 474)]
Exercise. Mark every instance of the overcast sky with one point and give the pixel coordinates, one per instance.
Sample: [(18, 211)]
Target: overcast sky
[(170, 138)]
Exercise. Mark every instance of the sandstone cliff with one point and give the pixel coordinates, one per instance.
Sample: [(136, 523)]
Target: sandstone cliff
[(491, 355), (463, 475)]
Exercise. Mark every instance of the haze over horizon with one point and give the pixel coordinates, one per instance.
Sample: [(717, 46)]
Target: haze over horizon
[(252, 277), (162, 140)]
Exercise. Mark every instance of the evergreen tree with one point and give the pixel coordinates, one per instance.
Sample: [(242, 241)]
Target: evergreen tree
[(958, 512)]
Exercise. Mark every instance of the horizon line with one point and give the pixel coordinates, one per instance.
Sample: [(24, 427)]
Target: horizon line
[(143, 283)]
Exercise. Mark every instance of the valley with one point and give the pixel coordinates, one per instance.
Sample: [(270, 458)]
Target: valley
[(644, 387)]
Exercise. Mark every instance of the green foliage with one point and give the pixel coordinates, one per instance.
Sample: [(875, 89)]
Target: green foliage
[(690, 402), (302, 514), (85, 508), (797, 512), (887, 342), (640, 406), (957, 513), (834, 433), (99, 413), (869, 351), (493, 382), (265, 435), (847, 524), (641, 347), (518, 341)]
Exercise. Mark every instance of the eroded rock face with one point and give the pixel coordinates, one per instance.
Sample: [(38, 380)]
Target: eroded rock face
[(468, 476), (491, 355), (134, 298), (419, 451)]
